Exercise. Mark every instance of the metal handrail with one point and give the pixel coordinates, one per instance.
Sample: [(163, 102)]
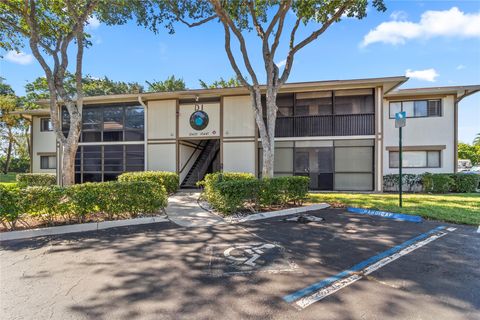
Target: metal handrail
[(189, 158)]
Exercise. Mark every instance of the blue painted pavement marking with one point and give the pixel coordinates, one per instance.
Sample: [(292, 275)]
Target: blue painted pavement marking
[(384, 214), (321, 284)]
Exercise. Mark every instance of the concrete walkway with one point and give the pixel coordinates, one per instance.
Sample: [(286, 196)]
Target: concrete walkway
[(184, 210)]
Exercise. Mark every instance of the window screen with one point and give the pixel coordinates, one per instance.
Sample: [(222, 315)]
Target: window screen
[(48, 162), (46, 124), (417, 108)]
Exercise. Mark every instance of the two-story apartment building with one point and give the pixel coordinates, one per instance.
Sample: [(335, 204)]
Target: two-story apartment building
[(339, 133)]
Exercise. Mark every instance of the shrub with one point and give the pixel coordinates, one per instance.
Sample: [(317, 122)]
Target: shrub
[(116, 198), (410, 182), (283, 190), (465, 182), (46, 203), (232, 195), (437, 183), (230, 192), (10, 206), (169, 180), (36, 179)]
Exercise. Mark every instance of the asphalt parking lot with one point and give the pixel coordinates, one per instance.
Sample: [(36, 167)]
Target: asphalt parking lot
[(267, 269)]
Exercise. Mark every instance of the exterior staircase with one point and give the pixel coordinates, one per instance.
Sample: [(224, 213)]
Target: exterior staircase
[(201, 164)]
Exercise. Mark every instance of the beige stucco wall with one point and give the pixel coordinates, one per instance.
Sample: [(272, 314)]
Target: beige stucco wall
[(43, 143), (161, 157), (426, 131), (211, 130), (238, 117), (161, 119), (239, 157)]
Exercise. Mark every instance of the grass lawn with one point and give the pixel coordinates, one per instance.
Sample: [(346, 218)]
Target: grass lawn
[(8, 179), (463, 208)]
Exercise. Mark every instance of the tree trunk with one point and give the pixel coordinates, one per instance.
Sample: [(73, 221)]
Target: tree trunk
[(9, 155), (266, 129), (69, 149)]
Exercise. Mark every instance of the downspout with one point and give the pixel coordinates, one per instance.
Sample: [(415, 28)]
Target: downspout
[(145, 126)]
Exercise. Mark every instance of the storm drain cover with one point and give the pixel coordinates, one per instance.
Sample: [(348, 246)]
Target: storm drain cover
[(304, 218), (244, 258)]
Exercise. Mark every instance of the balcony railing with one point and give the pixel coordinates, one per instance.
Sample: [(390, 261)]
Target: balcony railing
[(326, 125)]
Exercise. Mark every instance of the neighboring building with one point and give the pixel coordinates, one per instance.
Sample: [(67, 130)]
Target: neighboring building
[(339, 133)]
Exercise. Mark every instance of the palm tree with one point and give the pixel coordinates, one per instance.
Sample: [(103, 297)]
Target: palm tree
[(476, 141)]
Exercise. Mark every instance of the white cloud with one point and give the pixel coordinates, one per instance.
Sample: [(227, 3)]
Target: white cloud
[(460, 67), (399, 15), (447, 23), (424, 75), (281, 63), (93, 23), (19, 57)]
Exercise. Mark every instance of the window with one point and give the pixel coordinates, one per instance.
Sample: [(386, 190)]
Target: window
[(415, 159), (417, 108), (105, 163), (354, 101), (48, 162), (313, 103), (109, 123), (46, 124)]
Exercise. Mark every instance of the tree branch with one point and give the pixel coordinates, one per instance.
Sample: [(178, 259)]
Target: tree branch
[(314, 35), (231, 58), (258, 26), (226, 20)]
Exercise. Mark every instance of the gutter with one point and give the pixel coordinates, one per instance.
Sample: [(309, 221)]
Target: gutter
[(145, 128)]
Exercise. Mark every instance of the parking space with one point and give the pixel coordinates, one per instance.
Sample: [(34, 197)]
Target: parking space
[(258, 270)]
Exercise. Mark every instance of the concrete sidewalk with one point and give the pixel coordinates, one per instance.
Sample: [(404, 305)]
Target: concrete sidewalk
[(183, 209)]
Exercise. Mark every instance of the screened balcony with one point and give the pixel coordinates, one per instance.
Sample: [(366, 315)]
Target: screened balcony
[(326, 113)]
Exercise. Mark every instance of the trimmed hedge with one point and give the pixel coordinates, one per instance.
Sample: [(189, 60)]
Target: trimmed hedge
[(169, 180), (232, 192), (106, 200), (36, 179), (433, 182)]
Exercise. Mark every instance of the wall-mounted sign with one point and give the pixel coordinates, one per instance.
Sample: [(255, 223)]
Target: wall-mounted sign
[(199, 118)]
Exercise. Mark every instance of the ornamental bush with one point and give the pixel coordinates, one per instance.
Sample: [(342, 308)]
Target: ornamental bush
[(231, 192), (437, 183), (104, 200), (36, 179), (465, 183), (10, 206), (169, 180), (45, 203)]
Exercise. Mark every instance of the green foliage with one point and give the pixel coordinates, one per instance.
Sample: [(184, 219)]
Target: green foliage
[(410, 182), (10, 206), (170, 84), (476, 140), (169, 180), (283, 190), (471, 152), (232, 192), (465, 183), (105, 200), (36, 179), (222, 83), (437, 183), (45, 203)]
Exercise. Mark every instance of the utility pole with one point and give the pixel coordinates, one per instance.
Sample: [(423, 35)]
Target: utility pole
[(400, 121)]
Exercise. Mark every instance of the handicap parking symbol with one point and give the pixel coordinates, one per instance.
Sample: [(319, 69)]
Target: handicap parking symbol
[(244, 258)]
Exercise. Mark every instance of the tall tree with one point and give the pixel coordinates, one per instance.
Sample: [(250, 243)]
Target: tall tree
[(222, 83), (38, 88), (12, 126), (50, 27), (169, 84), (476, 141), (270, 20)]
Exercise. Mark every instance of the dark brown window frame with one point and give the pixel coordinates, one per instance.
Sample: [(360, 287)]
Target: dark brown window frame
[(413, 100), (48, 162), (50, 126), (423, 167)]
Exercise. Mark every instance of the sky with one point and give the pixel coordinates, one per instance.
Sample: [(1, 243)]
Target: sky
[(435, 43)]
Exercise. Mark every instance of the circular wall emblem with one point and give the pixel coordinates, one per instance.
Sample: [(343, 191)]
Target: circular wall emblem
[(199, 120)]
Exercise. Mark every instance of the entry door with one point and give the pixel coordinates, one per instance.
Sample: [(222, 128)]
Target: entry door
[(317, 164)]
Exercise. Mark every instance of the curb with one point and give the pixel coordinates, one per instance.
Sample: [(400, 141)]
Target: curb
[(280, 213), (79, 227)]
